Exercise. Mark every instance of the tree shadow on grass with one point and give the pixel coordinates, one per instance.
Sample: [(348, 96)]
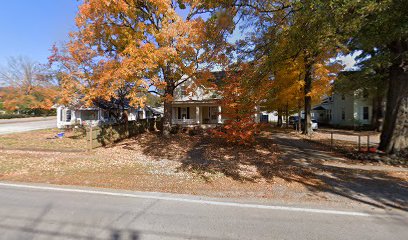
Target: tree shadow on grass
[(279, 156)]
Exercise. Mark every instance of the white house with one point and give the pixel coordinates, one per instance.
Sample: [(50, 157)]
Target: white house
[(349, 110), (95, 116), (268, 117), (200, 107)]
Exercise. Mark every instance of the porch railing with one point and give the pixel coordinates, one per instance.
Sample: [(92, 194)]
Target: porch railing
[(184, 121)]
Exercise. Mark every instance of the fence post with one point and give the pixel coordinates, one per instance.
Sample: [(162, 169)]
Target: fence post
[(359, 143), (331, 140), (90, 137), (368, 143)]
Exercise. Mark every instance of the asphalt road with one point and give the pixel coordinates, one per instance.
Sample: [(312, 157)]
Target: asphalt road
[(24, 125), (50, 212)]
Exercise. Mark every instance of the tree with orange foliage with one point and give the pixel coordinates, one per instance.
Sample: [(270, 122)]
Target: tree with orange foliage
[(144, 46), (28, 86), (287, 92), (303, 32), (241, 98)]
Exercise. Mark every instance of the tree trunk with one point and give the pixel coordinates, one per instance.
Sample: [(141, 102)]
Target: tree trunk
[(308, 100), (378, 113), (167, 116), (394, 136), (299, 122), (279, 117), (287, 115), (167, 112)]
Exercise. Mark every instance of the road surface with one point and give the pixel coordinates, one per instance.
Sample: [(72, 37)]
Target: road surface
[(8, 126), (52, 212)]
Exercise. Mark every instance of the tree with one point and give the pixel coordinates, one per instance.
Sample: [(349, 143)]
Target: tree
[(381, 33), (153, 100), (28, 85), (152, 46), (240, 102), (300, 31)]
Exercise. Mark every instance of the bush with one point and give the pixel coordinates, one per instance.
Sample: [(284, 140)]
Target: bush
[(10, 116), (175, 129)]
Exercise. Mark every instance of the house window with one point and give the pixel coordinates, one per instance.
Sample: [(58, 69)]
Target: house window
[(183, 113), (89, 115), (105, 115), (365, 113), (343, 114), (68, 116)]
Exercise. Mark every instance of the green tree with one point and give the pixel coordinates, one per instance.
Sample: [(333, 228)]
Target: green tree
[(301, 31), (381, 33)]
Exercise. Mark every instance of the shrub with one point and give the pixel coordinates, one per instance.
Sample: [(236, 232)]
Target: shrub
[(10, 116)]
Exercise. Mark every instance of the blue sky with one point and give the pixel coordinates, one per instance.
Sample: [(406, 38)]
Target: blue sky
[(30, 27)]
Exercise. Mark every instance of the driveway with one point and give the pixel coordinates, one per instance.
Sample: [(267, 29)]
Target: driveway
[(52, 212), (8, 126)]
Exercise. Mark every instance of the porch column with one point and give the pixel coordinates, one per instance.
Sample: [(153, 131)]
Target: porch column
[(219, 115), (198, 114), (59, 114), (257, 114)]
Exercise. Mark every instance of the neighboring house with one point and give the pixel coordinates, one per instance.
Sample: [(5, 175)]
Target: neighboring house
[(348, 110), (200, 107), (96, 116), (268, 117)]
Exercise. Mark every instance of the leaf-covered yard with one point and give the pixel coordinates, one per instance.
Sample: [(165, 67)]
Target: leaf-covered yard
[(45, 140), (278, 166)]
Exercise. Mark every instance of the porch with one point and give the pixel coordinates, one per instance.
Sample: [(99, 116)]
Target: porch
[(193, 115)]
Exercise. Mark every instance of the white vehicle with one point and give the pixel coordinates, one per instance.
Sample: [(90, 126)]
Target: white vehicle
[(315, 125)]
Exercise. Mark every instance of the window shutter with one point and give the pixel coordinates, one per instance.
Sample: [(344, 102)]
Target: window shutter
[(179, 113), (188, 112)]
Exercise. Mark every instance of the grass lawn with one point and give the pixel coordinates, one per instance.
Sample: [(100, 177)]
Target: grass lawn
[(44, 140), (203, 166)]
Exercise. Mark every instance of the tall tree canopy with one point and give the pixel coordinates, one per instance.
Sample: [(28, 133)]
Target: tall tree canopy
[(381, 33), (147, 46), (295, 41)]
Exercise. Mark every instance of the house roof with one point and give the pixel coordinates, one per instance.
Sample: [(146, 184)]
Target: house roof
[(155, 111), (319, 108)]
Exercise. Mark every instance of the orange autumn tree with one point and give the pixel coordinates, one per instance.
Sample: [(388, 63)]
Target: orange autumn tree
[(287, 88), (149, 46), (29, 87), (302, 31), (242, 95), (285, 93)]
